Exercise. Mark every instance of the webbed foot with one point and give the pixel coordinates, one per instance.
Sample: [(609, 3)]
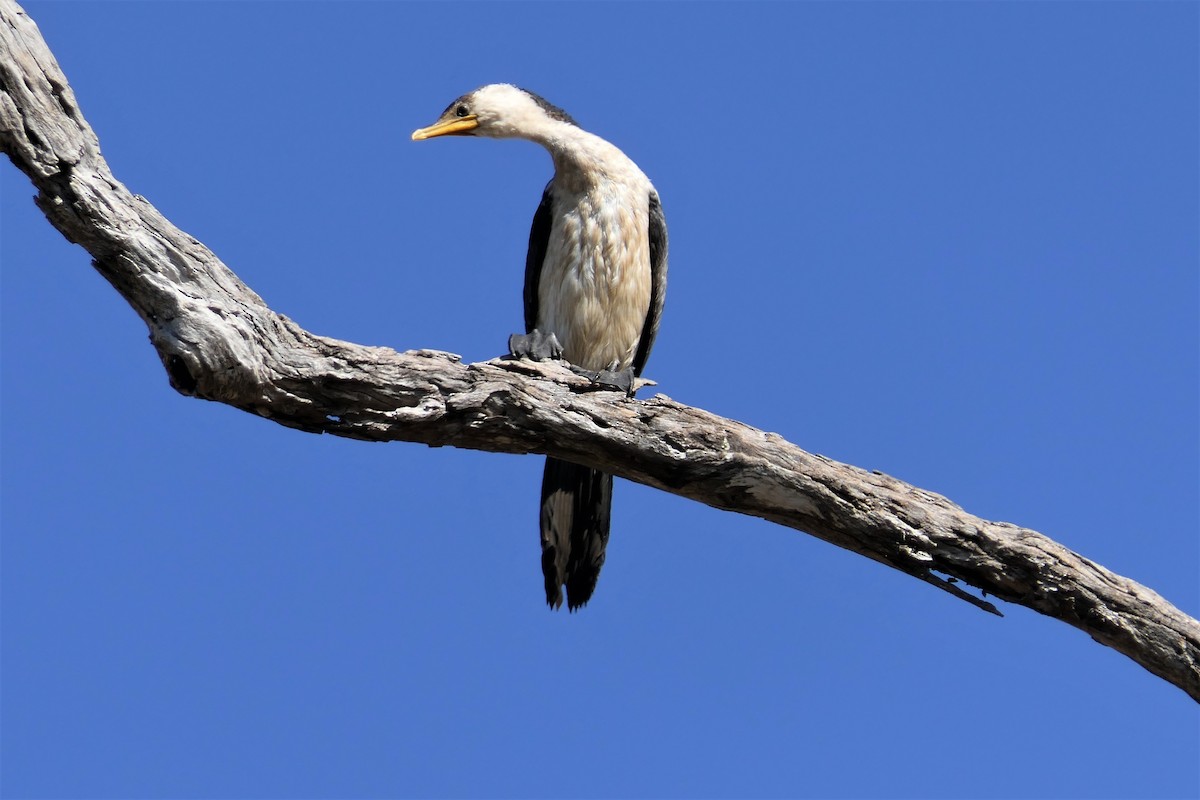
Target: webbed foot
[(619, 379), (537, 346)]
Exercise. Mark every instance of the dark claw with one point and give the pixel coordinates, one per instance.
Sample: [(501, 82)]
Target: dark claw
[(536, 345), (618, 379), (621, 380)]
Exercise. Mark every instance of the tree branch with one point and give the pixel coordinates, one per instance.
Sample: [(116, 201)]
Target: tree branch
[(219, 341)]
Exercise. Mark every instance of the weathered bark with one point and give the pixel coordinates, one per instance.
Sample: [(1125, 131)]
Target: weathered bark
[(219, 341)]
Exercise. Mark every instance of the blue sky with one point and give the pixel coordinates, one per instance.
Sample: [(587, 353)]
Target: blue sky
[(953, 242)]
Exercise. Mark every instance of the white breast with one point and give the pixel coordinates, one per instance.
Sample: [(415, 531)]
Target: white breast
[(595, 284)]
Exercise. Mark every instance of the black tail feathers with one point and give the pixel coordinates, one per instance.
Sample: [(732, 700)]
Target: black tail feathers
[(576, 508)]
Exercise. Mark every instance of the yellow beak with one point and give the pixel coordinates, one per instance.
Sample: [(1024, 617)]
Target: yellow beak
[(448, 127)]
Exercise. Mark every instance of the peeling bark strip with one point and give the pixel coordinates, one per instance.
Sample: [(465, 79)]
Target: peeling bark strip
[(219, 341)]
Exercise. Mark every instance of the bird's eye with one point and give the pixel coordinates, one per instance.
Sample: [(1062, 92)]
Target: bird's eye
[(461, 111)]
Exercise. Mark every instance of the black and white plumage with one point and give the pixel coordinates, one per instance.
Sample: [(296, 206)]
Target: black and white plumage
[(595, 278)]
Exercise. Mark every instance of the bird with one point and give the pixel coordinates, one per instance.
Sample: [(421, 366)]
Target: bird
[(595, 282)]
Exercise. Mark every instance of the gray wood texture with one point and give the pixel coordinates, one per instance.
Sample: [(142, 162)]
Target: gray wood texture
[(219, 341)]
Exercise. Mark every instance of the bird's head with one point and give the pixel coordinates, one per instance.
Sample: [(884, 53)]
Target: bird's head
[(499, 111)]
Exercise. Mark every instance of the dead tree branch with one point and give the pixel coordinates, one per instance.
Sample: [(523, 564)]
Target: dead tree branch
[(219, 341)]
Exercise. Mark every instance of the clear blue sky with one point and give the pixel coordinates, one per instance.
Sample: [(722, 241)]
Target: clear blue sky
[(953, 242)]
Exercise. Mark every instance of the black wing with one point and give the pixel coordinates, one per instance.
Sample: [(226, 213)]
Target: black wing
[(658, 282), (539, 238)]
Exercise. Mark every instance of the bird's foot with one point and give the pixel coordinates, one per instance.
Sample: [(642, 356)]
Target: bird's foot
[(611, 378), (535, 345)]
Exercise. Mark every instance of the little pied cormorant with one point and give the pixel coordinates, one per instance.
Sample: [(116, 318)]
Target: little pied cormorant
[(595, 278)]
